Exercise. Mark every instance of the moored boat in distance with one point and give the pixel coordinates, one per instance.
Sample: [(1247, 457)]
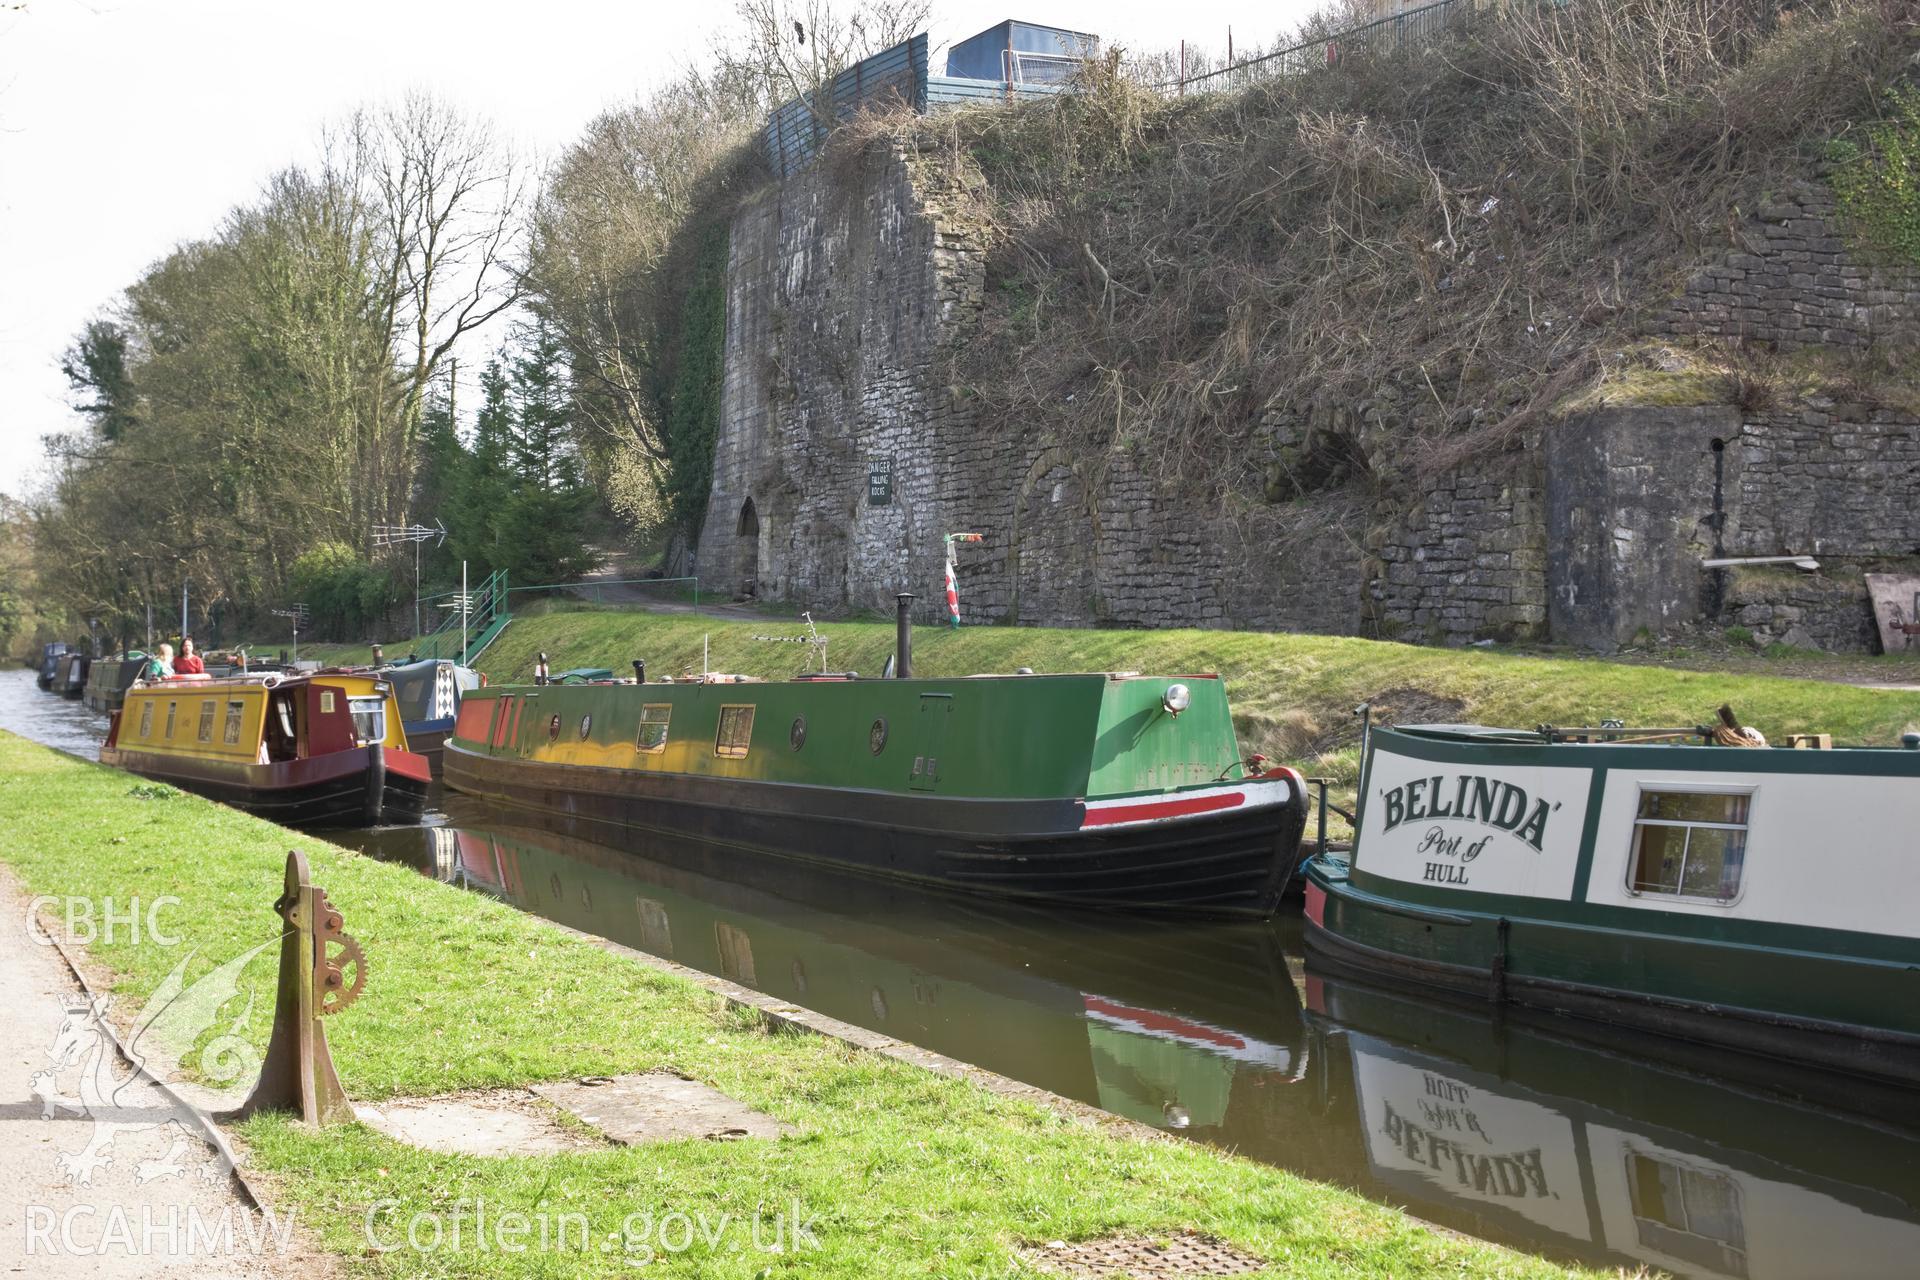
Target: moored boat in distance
[(51, 656), (1761, 899), (109, 679), (1109, 791), (319, 749), (429, 693), (70, 674)]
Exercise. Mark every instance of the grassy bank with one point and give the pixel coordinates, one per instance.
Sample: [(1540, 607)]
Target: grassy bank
[(1293, 695), (904, 1172)]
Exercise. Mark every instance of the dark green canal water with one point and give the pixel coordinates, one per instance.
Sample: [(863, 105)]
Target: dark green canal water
[(1558, 1137)]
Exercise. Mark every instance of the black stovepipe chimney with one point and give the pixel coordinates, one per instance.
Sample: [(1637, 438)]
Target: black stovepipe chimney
[(903, 637)]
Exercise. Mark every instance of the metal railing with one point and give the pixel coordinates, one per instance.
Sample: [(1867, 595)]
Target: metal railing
[(465, 635), (1382, 35)]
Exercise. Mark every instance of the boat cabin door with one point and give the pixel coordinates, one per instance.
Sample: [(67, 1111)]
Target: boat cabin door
[(329, 718), (929, 740), (282, 730)]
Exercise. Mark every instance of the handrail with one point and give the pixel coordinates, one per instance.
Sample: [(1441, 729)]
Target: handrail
[(486, 605), (1400, 21)]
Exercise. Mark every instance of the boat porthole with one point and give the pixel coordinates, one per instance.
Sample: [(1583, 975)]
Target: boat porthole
[(586, 898), (553, 882), (553, 728), (799, 976), (879, 1002), (877, 736), (798, 734), (586, 726)]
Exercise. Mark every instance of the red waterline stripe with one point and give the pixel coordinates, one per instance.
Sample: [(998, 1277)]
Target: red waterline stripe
[(1161, 1022), (1163, 809)]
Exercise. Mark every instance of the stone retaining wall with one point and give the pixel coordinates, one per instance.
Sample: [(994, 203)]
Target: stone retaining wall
[(846, 283)]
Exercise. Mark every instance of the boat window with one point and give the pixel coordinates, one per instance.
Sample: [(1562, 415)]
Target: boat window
[(1690, 844), (171, 706), (206, 720), (369, 719), (146, 717), (736, 731), (653, 727), (236, 711)]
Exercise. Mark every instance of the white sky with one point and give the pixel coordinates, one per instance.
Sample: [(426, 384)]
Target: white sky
[(127, 126)]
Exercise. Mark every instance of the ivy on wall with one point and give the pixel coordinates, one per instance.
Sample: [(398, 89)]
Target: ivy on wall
[(1878, 183), (693, 417)]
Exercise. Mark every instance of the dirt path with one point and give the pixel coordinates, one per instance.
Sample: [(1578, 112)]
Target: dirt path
[(116, 1184), (610, 582)]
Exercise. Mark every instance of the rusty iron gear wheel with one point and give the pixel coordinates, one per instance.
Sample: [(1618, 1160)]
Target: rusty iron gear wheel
[(336, 992)]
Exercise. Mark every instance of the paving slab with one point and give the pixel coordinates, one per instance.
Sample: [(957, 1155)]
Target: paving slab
[(499, 1122), (657, 1106)]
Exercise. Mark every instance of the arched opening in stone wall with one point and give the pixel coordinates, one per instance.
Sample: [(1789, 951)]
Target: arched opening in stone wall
[(1053, 547), (747, 552)]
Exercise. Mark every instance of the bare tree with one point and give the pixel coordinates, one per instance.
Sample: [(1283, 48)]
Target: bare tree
[(794, 48), (443, 200)]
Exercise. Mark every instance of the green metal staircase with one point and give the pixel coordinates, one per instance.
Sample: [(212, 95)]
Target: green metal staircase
[(486, 618)]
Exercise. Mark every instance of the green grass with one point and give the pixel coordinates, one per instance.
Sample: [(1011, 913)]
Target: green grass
[(905, 1172), (1293, 695)]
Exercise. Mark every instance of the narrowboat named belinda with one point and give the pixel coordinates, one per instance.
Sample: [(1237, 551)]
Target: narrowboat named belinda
[(325, 749), (1761, 899), (1109, 791)]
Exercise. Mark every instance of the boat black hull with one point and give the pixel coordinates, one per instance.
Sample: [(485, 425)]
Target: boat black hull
[(430, 744), (1233, 865), (328, 792), (1852, 1050)]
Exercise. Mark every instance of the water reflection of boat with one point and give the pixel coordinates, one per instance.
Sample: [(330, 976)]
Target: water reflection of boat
[(1132, 1019), (1459, 1113), (1517, 1135)]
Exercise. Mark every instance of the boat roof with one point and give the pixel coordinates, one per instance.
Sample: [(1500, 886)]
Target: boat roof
[(256, 680), (1473, 732)]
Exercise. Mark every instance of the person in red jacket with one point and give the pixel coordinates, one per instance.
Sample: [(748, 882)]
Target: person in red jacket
[(188, 663)]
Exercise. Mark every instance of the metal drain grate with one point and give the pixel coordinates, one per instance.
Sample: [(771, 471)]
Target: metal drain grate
[(1143, 1258)]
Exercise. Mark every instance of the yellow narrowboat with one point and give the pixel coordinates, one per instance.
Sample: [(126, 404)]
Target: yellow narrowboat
[(325, 749)]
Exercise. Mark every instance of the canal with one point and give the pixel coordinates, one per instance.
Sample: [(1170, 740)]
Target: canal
[(1558, 1137)]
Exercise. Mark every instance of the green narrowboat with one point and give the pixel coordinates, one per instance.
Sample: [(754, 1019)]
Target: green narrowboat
[(1762, 899), (1109, 791), (109, 679)]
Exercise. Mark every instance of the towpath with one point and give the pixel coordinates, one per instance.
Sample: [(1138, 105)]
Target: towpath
[(156, 1202)]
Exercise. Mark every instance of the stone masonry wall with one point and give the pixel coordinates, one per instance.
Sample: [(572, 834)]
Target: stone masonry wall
[(1793, 282), (845, 282), (1468, 560), (842, 286)]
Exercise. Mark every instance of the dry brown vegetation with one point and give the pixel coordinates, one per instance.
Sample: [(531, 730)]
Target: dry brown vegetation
[(1393, 263)]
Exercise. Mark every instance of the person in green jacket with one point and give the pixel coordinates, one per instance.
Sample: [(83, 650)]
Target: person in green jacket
[(160, 665)]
